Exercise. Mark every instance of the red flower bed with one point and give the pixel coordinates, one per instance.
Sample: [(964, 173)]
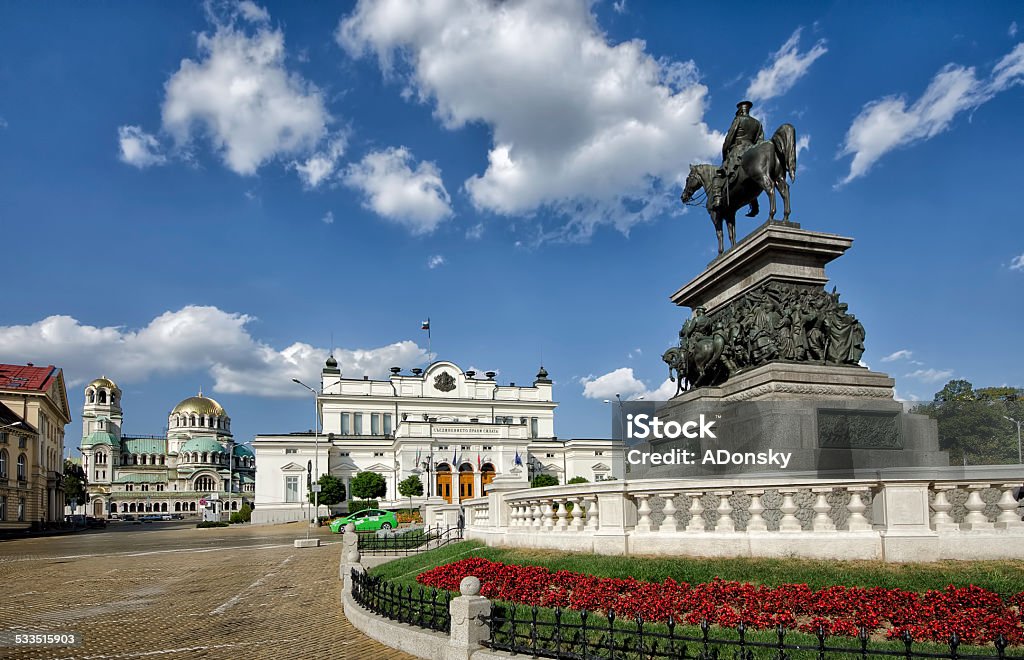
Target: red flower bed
[(976, 615)]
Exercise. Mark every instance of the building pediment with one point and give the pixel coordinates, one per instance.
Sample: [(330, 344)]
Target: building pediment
[(600, 467), (551, 467), (377, 467), (293, 467)]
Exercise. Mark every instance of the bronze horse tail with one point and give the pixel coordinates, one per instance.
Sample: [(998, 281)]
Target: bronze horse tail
[(785, 145)]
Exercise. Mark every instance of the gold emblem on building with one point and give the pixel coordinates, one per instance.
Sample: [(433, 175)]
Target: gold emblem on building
[(444, 382)]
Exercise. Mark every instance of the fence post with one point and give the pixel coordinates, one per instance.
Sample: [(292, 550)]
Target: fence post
[(349, 557), (469, 626)]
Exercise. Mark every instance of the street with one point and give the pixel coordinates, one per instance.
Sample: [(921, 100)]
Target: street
[(170, 590)]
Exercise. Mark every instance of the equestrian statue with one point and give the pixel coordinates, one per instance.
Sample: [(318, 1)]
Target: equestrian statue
[(750, 166)]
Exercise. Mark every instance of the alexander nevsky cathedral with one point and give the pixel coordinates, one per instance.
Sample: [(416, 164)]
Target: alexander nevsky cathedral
[(187, 470)]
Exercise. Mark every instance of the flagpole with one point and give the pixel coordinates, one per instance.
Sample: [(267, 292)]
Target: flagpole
[(428, 341)]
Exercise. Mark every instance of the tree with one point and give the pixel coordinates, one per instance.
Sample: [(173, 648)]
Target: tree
[(542, 480), (75, 482), (972, 424), (579, 480), (411, 487), (368, 486), (332, 490)]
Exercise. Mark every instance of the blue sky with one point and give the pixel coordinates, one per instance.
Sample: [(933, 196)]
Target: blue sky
[(204, 195)]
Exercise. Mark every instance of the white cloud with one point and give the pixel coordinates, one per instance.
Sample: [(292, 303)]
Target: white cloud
[(930, 375), (803, 143), (250, 11), (314, 170), (595, 139), (328, 218), (239, 95), (189, 340), (888, 123), (1012, 30), (434, 261), (139, 148), (415, 198), (476, 232), (902, 354), (787, 65), (1017, 263), (621, 382), (619, 6)]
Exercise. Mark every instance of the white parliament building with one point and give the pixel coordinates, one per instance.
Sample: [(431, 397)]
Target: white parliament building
[(457, 430), (195, 465)]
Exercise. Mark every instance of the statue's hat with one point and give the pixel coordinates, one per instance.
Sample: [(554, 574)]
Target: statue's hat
[(745, 105)]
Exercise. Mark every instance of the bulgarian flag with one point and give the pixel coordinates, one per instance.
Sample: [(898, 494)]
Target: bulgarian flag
[(425, 325)]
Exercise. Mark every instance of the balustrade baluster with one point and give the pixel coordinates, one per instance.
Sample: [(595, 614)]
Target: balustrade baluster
[(1008, 517), (643, 511), (857, 522), (757, 523), (549, 515), (941, 520), (976, 518), (577, 514), (696, 523), (822, 522), (669, 524), (725, 520), (563, 514), (789, 522), (592, 513)]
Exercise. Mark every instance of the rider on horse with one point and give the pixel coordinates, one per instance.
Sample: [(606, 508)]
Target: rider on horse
[(744, 133)]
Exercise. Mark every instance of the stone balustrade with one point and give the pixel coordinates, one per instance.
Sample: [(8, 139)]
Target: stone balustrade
[(955, 514)]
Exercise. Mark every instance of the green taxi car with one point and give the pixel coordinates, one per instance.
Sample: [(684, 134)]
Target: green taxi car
[(367, 520)]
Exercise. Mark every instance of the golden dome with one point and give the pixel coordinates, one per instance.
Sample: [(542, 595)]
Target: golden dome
[(103, 381), (200, 405)]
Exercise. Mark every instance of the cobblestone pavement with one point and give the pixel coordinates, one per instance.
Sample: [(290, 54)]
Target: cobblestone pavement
[(179, 592)]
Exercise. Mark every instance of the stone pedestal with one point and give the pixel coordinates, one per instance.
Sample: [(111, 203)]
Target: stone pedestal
[(815, 402)]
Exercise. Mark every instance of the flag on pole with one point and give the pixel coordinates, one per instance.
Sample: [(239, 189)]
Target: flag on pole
[(425, 325), (518, 460), (478, 462), (455, 459)]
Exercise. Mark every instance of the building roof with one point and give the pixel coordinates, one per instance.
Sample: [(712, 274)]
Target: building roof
[(203, 443), (26, 377), (242, 450), (99, 438), (147, 478), (200, 405), (144, 445)]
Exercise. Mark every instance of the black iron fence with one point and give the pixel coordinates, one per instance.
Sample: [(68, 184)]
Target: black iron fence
[(425, 608), (571, 635), (407, 542)]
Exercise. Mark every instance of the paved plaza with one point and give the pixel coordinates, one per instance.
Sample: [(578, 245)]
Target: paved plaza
[(169, 590)]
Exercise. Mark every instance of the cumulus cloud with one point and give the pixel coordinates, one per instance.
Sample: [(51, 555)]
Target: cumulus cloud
[(476, 232), (902, 354), (596, 139), (623, 382), (1017, 263), (889, 123), (1012, 30), (434, 261), (139, 148), (187, 340), (317, 168), (328, 218), (250, 11), (930, 375), (413, 197), (786, 66)]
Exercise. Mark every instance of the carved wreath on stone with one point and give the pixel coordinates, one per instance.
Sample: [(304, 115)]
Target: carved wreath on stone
[(444, 382)]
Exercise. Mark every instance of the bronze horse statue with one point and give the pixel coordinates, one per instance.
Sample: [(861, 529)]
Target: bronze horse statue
[(763, 168), (689, 369)]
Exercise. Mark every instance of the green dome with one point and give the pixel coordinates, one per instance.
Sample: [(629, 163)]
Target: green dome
[(202, 444), (242, 450), (99, 438)]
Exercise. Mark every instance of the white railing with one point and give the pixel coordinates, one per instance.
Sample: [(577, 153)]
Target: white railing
[(955, 514)]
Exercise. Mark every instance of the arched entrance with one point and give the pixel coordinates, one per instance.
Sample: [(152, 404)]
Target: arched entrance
[(465, 481), (444, 482), (486, 477), (97, 508)]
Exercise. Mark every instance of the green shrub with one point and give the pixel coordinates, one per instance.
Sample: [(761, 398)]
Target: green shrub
[(211, 523), (542, 480), (356, 506), (245, 512), (579, 480), (236, 518)]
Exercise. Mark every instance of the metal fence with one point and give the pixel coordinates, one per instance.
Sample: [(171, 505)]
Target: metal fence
[(546, 634), (425, 608), (408, 542)]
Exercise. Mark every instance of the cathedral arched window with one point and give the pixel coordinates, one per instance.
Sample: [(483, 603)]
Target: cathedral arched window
[(3, 463), (102, 396), (206, 457), (90, 396), (192, 420), (21, 467)]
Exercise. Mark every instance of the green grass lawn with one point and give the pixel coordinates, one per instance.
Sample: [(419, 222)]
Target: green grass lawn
[(1004, 577)]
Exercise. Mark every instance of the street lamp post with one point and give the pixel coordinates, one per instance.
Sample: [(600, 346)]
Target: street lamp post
[(316, 450), (618, 397), (18, 423), (1020, 453)]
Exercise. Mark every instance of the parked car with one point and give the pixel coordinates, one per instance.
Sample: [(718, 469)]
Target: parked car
[(95, 523), (128, 517), (367, 520), (177, 516)]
